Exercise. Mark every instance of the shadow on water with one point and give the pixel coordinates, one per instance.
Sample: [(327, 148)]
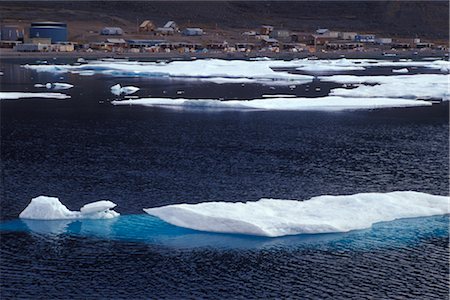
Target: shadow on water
[(151, 230)]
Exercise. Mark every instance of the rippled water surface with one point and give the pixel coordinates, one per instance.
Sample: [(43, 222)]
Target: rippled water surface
[(84, 149)]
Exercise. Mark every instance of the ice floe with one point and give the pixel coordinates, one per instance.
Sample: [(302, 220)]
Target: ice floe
[(127, 90), (50, 208), (19, 95), (322, 214), (214, 70), (55, 85), (422, 86), (403, 70), (329, 103)]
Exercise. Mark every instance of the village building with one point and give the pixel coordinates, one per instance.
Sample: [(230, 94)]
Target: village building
[(345, 35), (147, 26), (11, 33), (365, 38), (171, 24), (111, 31), (265, 30), (164, 31), (192, 31), (280, 34), (383, 41)]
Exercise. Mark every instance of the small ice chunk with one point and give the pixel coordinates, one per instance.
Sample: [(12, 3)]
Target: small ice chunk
[(403, 70), (98, 206), (50, 208), (127, 90), (19, 95)]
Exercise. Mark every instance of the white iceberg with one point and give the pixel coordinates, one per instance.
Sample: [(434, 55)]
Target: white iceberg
[(403, 70), (19, 95), (50, 208), (127, 90), (417, 86), (214, 70), (54, 85), (322, 214), (329, 103)]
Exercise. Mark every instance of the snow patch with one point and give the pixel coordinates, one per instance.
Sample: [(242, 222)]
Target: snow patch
[(322, 214)]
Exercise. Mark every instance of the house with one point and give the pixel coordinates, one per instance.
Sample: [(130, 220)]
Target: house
[(383, 41), (322, 31), (343, 45), (302, 37), (171, 24), (279, 33), (192, 31), (11, 33), (244, 47), (144, 43), (147, 26), (269, 42), (365, 38), (111, 31), (265, 29), (164, 31), (347, 35)]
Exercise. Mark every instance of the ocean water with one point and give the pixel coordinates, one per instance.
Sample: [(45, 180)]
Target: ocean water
[(84, 149)]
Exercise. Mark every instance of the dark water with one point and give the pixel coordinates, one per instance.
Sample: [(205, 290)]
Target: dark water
[(84, 149)]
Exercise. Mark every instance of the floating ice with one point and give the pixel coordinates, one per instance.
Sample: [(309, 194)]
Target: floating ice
[(50, 208), (322, 214), (329, 103), (214, 70), (127, 90), (19, 95), (422, 86), (403, 70), (278, 96), (55, 85)]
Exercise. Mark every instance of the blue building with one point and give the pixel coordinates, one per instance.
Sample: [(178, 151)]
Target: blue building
[(56, 31), (365, 38), (11, 33)]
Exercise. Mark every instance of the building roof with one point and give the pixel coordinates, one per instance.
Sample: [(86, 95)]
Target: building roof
[(322, 30), (116, 41), (146, 23), (270, 40), (170, 24)]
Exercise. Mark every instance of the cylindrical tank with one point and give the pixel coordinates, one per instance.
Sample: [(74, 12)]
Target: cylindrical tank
[(54, 30)]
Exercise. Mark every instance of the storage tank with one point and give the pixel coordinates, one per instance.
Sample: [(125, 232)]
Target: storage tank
[(54, 30)]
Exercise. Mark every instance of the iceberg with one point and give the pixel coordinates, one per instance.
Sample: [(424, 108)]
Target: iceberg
[(127, 90), (417, 86), (214, 70), (19, 95), (329, 103), (50, 208), (322, 214)]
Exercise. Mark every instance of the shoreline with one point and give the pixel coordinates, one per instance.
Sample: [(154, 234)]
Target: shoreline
[(11, 55)]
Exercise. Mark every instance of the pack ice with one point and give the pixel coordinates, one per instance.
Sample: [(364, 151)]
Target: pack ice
[(322, 214), (50, 208), (329, 103)]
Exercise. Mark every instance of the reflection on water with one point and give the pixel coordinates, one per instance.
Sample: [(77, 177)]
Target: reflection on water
[(151, 230)]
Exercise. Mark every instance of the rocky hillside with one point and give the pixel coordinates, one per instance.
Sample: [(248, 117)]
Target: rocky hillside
[(426, 19)]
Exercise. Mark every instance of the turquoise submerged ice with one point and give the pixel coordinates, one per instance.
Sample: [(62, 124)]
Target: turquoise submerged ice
[(355, 221), (323, 214)]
